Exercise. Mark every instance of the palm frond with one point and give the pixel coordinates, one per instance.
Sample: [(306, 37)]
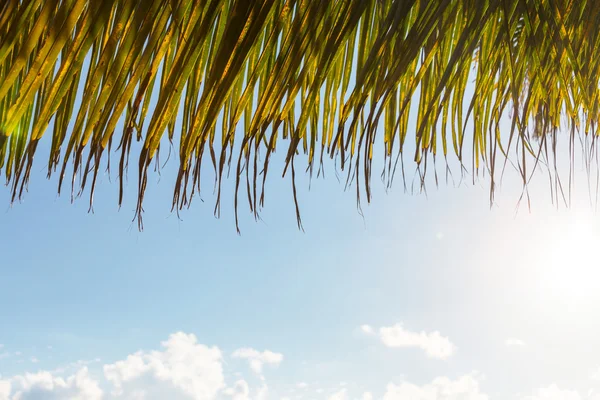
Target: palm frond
[(236, 75)]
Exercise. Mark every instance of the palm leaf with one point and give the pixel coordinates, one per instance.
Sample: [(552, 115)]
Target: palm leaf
[(320, 74)]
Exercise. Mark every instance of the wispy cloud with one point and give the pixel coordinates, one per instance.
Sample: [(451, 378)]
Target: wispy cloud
[(75, 366), (367, 396), (441, 388), (257, 359), (553, 392), (242, 391), (239, 391), (514, 342), (367, 329), (339, 395), (432, 343)]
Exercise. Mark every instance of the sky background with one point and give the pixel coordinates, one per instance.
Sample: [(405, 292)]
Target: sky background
[(428, 297)]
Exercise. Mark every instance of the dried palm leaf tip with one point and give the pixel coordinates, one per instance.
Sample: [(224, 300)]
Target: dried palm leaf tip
[(322, 74)]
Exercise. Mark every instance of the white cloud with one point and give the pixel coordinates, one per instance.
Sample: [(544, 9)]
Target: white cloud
[(44, 385), (433, 343), (442, 388), (193, 369), (553, 392), (339, 395), (74, 366), (239, 391), (5, 388), (262, 393), (257, 359), (182, 369), (367, 329), (34, 360), (514, 342)]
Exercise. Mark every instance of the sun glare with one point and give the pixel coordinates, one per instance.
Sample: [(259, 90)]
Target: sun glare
[(569, 271)]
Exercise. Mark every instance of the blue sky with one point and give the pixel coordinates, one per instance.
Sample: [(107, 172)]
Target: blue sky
[(428, 297)]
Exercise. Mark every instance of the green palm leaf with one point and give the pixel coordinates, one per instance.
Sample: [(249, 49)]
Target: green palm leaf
[(320, 74)]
